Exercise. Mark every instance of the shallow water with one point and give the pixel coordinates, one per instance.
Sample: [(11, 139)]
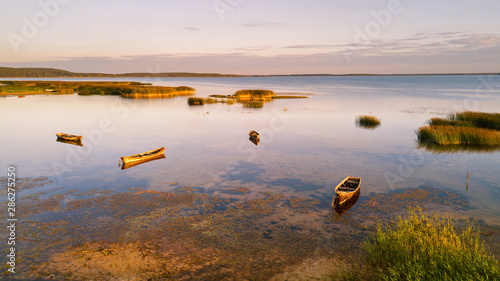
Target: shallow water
[(303, 153)]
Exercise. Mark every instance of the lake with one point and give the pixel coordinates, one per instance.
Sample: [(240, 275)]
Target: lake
[(307, 146)]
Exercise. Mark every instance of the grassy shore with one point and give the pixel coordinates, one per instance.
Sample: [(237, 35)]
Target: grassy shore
[(465, 128), (422, 247), (124, 89)]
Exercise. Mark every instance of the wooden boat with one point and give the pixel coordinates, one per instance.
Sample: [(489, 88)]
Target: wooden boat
[(253, 134), (125, 166), (78, 142), (69, 137), (254, 137), (141, 157), (347, 192)]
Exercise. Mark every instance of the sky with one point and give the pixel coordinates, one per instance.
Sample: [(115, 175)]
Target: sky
[(252, 36)]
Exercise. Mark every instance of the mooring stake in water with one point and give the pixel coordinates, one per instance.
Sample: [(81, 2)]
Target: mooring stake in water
[(467, 184)]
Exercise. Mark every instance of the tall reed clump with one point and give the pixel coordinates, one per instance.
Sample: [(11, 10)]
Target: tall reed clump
[(452, 135), (254, 95), (465, 128), (196, 101), (367, 121), (422, 247), (479, 119)]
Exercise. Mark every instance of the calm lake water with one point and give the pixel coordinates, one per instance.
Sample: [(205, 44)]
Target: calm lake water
[(307, 145)]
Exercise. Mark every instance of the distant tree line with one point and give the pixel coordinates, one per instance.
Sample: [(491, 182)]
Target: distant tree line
[(10, 72)]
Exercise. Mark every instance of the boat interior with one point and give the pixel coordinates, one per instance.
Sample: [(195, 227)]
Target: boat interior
[(349, 185)]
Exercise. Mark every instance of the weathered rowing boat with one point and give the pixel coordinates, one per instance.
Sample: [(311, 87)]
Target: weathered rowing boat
[(143, 156), (253, 134), (69, 137), (347, 192), (254, 137), (133, 164), (77, 142)]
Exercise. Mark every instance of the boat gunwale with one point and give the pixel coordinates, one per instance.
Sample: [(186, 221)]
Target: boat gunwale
[(348, 192), (68, 137)]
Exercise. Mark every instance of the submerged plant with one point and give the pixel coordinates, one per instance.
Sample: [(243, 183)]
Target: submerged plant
[(422, 247)]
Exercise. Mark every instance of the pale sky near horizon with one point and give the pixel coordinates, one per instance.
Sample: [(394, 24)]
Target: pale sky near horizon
[(252, 36)]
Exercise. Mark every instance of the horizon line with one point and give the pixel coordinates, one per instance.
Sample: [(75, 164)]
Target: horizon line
[(187, 74)]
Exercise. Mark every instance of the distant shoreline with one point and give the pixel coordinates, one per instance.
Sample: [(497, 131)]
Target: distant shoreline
[(10, 72)]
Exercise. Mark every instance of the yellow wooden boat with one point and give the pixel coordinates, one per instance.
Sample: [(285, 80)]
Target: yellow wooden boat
[(133, 164), (69, 137), (141, 157), (347, 192), (78, 142), (254, 137)]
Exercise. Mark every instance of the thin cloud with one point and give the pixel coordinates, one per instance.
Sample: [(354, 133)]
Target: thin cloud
[(478, 39), (190, 28), (260, 24), (310, 46)]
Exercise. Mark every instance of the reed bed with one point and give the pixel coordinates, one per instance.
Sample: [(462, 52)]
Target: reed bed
[(422, 247), (196, 101), (251, 95), (464, 128), (124, 89), (479, 119), (470, 119), (451, 135), (367, 121), (253, 98)]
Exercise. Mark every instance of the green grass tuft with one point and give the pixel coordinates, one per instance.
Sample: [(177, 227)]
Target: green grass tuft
[(367, 121), (422, 247)]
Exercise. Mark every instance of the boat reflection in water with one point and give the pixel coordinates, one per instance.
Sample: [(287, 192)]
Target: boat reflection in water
[(73, 142), (125, 166), (347, 194)]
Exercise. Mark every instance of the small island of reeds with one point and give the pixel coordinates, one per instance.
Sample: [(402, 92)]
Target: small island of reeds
[(249, 98), (423, 247), (123, 89), (367, 122), (464, 128)]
